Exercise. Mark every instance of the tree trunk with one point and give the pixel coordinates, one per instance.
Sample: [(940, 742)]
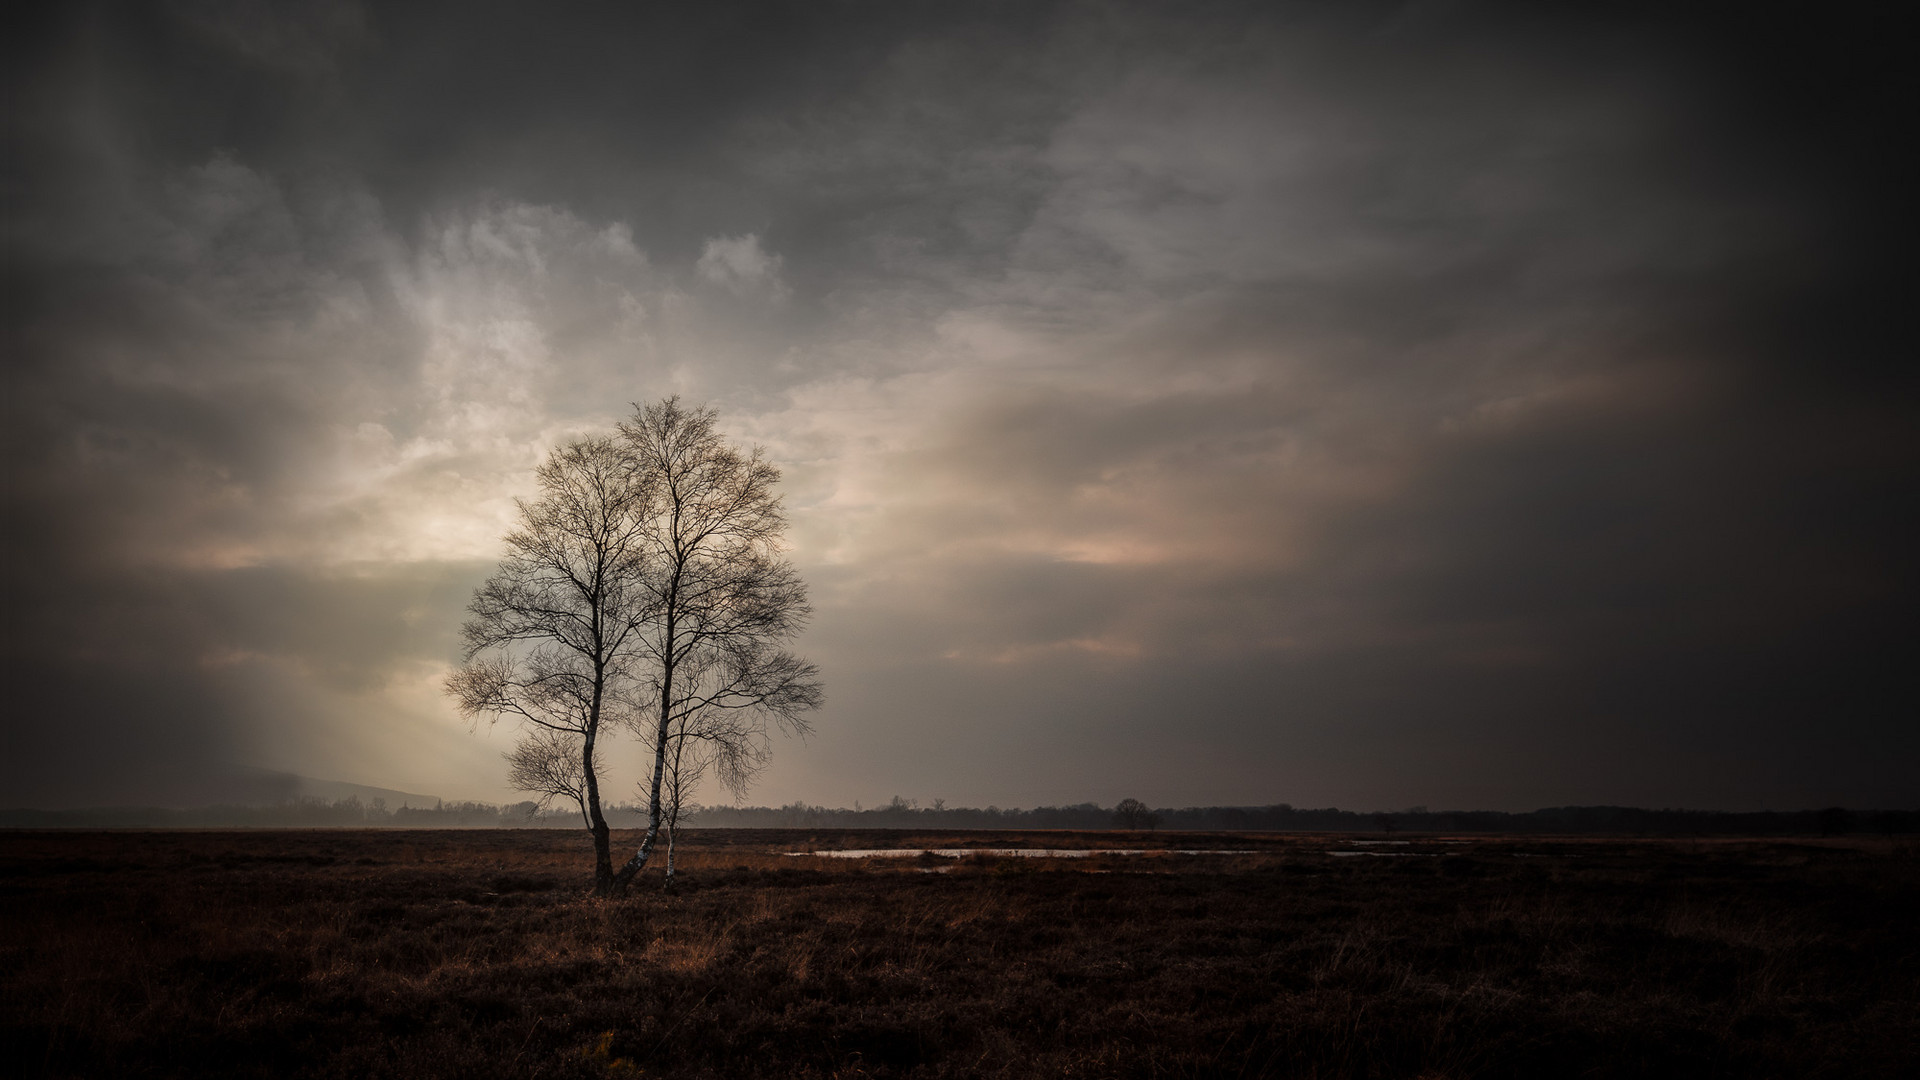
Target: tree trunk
[(639, 861), (603, 884), (603, 881)]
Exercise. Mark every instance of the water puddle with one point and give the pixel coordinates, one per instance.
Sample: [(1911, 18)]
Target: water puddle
[(1020, 853), (1434, 854)]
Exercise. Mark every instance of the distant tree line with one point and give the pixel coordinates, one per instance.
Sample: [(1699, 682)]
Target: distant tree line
[(901, 813), (1281, 817)]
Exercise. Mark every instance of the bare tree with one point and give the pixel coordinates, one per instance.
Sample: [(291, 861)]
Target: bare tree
[(552, 638), (720, 604), (1134, 814), (550, 764)]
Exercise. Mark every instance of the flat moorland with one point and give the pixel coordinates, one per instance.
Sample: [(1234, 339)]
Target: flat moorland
[(476, 954)]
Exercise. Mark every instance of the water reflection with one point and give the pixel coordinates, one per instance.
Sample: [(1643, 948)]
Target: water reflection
[(1025, 853)]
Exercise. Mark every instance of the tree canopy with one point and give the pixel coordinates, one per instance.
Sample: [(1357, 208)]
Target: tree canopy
[(644, 589)]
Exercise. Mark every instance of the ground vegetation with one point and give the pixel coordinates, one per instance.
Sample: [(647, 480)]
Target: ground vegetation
[(475, 954)]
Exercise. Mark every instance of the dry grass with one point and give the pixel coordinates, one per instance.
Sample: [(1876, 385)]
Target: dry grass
[(474, 954)]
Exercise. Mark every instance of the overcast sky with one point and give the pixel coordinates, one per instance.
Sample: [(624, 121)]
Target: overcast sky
[(1342, 404)]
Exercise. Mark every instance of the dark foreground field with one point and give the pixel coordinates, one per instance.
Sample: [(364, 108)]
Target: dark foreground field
[(474, 954)]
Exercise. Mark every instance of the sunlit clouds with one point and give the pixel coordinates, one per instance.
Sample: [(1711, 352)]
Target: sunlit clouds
[(739, 264)]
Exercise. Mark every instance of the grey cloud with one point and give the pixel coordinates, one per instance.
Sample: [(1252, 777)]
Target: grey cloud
[(1371, 406)]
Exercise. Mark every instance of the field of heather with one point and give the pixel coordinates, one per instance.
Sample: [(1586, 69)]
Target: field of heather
[(475, 954)]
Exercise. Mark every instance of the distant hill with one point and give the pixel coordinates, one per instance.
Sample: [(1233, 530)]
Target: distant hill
[(271, 787), (306, 787), (235, 797)]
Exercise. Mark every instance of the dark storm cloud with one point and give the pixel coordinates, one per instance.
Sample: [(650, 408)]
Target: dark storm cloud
[(1380, 404)]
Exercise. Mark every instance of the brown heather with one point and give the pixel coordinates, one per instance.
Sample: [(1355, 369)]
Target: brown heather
[(476, 954)]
